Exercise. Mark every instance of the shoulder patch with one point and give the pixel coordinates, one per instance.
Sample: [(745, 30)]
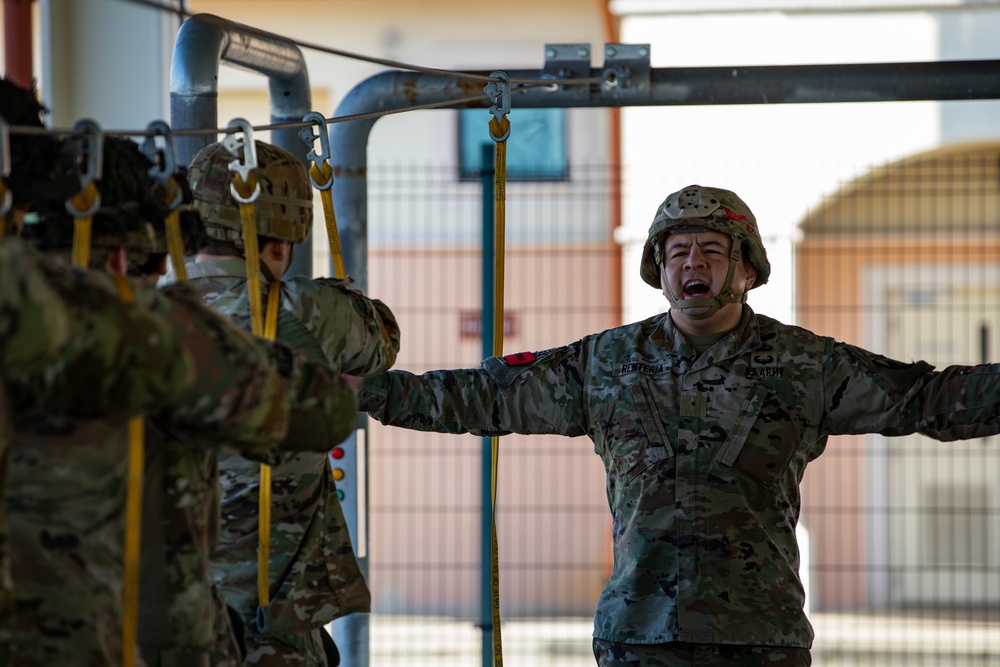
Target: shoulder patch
[(519, 358)]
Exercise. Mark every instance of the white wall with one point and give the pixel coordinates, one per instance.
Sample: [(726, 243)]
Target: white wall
[(106, 60), (780, 159)]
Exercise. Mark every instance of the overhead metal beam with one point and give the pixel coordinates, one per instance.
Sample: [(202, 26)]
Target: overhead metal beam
[(797, 84)]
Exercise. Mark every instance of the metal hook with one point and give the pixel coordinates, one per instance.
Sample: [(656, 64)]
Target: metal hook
[(249, 155), (8, 198), (88, 133), (162, 156), (309, 138), (499, 94)]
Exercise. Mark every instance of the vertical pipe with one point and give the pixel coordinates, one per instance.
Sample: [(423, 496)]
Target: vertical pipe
[(616, 282), (486, 174), (17, 44)]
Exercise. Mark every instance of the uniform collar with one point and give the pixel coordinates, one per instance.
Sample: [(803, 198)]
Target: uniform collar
[(231, 267), (745, 337)]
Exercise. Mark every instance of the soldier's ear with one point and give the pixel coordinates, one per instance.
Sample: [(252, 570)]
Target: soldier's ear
[(116, 261), (751, 275)]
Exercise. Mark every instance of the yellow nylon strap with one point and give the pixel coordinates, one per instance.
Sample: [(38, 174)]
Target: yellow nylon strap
[(251, 252), (82, 225), (175, 242), (498, 129), (264, 496), (133, 517), (336, 251), (81, 241)]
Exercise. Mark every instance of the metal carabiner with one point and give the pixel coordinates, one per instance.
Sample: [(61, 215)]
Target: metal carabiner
[(249, 155), (90, 163), (309, 138), (499, 94), (8, 198), (162, 156)]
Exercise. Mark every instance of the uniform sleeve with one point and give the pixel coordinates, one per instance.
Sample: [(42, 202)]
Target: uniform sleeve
[(527, 394), (34, 323), (238, 395), (358, 335), (323, 406), (869, 393), (122, 360)]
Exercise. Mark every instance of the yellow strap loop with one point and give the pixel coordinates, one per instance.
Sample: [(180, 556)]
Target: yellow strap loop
[(175, 241), (133, 516), (257, 325), (321, 177), (264, 496), (83, 201), (248, 217), (499, 132)]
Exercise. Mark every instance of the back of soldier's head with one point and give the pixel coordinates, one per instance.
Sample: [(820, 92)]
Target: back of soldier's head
[(283, 208), (193, 234), (41, 165), (127, 207)]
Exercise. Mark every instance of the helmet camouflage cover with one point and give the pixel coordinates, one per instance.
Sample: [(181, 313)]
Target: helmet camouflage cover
[(283, 208), (696, 208)]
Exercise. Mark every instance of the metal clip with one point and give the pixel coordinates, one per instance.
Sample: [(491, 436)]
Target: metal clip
[(249, 155), (499, 94), (263, 620), (8, 198), (90, 163), (309, 138), (162, 156)]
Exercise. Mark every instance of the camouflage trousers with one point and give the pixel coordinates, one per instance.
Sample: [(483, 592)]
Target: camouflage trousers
[(682, 654), (306, 649)]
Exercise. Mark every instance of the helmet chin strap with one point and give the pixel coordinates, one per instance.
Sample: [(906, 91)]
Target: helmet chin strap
[(712, 303)]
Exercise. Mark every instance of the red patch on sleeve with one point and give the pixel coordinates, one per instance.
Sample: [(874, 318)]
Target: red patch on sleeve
[(520, 358)]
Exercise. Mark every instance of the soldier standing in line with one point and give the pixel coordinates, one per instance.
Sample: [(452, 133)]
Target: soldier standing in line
[(314, 575), (67, 478), (184, 618), (32, 330), (705, 418)]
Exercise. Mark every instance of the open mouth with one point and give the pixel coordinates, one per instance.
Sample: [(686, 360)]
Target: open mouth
[(696, 289)]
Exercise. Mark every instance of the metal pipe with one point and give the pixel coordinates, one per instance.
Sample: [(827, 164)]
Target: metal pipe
[(204, 42), (17, 41), (797, 84)]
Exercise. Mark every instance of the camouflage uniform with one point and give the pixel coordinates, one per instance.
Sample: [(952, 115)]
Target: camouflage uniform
[(32, 329), (314, 574), (704, 453), (183, 618), (199, 374)]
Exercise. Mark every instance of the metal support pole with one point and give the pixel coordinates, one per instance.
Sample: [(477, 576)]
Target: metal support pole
[(487, 174)]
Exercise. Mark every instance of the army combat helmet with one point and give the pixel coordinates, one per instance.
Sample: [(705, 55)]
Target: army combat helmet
[(283, 208), (698, 209)]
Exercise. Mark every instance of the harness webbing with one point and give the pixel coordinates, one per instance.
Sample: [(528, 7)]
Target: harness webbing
[(499, 132), (175, 242), (133, 516)]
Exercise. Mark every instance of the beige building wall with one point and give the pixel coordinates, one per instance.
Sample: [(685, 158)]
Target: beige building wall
[(553, 520), (934, 209)]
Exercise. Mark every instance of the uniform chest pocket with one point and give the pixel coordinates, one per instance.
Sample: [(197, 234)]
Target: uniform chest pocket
[(758, 446), (649, 442)]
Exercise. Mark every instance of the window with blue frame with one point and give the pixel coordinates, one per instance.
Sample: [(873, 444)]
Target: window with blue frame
[(536, 148)]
